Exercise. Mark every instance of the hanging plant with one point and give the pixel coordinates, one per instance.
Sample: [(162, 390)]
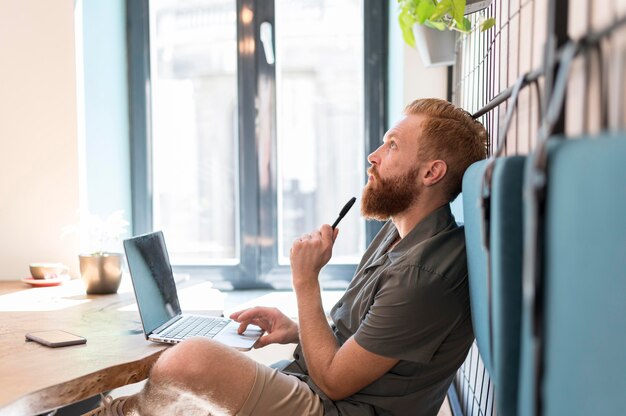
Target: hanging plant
[(436, 14)]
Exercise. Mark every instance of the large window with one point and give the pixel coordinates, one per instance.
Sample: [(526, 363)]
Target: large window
[(251, 125), (193, 63)]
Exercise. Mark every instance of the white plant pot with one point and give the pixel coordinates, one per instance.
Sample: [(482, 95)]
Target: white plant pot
[(436, 47)]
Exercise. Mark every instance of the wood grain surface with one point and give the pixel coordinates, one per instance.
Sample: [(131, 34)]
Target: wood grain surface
[(36, 379)]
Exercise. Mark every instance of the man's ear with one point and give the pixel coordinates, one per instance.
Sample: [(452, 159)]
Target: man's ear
[(435, 171)]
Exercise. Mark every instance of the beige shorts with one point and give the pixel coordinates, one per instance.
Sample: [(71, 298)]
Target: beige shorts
[(276, 393)]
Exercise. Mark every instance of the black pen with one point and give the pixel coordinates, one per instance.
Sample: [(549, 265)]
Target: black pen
[(344, 211)]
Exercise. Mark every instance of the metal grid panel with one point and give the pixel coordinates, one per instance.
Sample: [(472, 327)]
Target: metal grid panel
[(474, 387), (486, 64), (489, 62)]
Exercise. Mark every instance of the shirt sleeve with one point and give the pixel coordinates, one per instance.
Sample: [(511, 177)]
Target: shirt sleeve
[(412, 313)]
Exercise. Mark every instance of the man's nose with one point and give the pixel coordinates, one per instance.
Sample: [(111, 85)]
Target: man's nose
[(373, 158)]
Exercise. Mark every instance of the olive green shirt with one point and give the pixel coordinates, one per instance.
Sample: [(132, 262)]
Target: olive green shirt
[(410, 303)]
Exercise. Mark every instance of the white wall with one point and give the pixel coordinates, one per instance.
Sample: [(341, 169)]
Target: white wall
[(422, 82), (39, 190), (408, 78)]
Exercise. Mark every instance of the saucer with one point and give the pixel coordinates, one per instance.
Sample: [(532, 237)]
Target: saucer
[(53, 281)]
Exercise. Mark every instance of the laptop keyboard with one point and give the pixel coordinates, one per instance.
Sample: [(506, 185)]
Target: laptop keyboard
[(194, 326)]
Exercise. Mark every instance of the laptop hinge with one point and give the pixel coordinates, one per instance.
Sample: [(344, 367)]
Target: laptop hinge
[(165, 325)]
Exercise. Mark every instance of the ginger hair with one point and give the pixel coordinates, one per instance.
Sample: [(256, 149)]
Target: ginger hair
[(451, 134)]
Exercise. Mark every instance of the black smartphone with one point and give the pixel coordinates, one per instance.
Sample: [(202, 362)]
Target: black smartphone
[(55, 338)]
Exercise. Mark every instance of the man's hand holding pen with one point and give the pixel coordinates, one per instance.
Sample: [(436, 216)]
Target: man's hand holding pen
[(309, 254), (312, 251)]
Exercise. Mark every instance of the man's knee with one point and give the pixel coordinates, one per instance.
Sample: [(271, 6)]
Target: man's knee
[(188, 361), (198, 376)]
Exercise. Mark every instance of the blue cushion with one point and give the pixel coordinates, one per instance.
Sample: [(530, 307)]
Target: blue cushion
[(505, 257), (585, 278), (506, 276), (477, 258)]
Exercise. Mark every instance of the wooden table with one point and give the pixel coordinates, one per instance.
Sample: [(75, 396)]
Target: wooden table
[(36, 379)]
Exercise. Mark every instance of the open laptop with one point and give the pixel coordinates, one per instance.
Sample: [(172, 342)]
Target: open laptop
[(155, 291)]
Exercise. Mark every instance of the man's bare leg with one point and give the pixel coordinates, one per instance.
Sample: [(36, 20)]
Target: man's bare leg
[(198, 376)]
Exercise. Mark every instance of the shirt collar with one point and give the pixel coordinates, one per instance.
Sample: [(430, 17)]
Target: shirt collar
[(434, 223)]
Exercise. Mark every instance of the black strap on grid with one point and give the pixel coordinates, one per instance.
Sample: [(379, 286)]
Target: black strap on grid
[(485, 199), (533, 275)]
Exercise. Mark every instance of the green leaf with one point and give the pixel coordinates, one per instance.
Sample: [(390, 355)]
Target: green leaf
[(465, 26), (458, 11), (487, 24), (408, 6), (408, 37), (444, 7), (406, 20), (424, 11)]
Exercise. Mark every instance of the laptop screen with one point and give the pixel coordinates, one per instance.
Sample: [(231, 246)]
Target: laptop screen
[(153, 280)]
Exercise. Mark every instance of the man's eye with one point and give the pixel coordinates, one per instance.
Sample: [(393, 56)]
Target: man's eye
[(393, 145)]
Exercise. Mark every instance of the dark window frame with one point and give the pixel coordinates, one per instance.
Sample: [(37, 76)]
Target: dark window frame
[(258, 266)]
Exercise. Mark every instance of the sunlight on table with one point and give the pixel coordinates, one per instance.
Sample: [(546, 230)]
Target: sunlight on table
[(34, 299)]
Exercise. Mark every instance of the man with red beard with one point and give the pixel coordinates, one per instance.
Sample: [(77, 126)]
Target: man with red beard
[(403, 326)]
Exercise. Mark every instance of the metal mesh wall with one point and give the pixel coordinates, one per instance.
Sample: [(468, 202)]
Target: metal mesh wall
[(490, 62), (486, 64)]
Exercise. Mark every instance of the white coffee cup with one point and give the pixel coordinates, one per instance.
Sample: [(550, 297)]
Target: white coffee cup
[(47, 270)]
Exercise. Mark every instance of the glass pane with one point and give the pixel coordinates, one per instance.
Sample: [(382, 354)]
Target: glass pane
[(193, 53), (319, 77)]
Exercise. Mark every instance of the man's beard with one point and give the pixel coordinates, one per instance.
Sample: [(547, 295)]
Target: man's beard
[(384, 198)]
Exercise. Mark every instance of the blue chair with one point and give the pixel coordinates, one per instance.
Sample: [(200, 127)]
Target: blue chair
[(477, 262), (582, 317), (506, 248), (495, 275)]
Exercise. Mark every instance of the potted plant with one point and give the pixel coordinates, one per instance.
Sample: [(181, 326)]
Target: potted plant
[(101, 263), (432, 25)]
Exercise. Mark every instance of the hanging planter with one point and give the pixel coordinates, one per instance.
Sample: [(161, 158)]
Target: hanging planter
[(436, 47), (432, 26)]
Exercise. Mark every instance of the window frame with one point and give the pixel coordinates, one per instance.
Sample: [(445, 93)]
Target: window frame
[(258, 266)]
